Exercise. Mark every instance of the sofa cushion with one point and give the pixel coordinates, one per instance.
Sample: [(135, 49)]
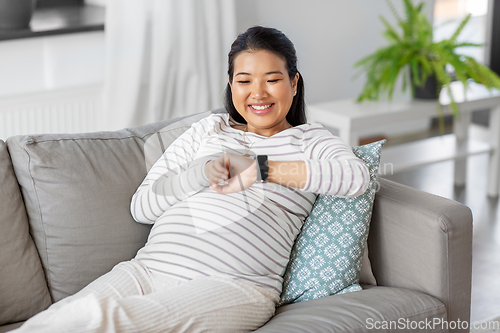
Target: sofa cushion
[(10, 327), (77, 190), (23, 290), (361, 311), (327, 255)]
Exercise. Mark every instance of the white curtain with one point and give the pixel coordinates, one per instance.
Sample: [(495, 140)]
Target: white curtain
[(165, 58)]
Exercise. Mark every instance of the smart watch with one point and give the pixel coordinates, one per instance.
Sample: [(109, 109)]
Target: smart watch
[(262, 168)]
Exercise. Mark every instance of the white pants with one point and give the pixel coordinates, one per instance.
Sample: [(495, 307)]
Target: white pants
[(132, 299)]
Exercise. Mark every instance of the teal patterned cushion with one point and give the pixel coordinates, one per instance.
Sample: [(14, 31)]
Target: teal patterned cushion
[(326, 257)]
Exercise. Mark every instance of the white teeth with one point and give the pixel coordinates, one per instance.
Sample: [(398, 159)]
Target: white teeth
[(261, 107)]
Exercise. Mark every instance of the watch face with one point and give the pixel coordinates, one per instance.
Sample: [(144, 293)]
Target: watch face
[(263, 168)]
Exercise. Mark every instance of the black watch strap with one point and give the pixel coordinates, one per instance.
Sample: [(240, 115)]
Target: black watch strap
[(262, 168)]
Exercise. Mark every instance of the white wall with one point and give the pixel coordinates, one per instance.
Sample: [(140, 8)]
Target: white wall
[(41, 64), (52, 84)]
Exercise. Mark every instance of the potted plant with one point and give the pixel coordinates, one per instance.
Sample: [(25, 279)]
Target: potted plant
[(421, 60)]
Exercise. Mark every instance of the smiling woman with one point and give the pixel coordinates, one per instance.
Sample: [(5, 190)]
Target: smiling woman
[(227, 199)]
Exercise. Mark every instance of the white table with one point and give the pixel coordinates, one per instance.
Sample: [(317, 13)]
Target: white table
[(351, 118)]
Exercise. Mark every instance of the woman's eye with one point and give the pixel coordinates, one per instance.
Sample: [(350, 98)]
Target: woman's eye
[(273, 81), (243, 82)]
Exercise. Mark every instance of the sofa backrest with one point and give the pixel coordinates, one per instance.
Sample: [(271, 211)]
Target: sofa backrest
[(23, 290), (77, 190)]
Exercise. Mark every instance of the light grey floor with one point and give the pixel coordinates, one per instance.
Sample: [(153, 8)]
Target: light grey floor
[(438, 179)]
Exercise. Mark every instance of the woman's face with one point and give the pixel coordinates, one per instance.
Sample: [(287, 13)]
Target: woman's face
[(262, 91)]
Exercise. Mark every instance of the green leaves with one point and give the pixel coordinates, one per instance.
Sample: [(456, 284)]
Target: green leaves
[(390, 33), (459, 29), (412, 49)]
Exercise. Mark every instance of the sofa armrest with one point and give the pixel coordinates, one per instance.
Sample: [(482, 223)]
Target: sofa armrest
[(423, 242)]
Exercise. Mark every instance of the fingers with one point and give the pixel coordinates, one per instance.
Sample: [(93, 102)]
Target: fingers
[(237, 183), (231, 186), (216, 172), (226, 161), (231, 173), (221, 164)]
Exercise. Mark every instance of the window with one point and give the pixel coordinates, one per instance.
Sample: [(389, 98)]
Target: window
[(482, 28), (495, 38), (449, 13)]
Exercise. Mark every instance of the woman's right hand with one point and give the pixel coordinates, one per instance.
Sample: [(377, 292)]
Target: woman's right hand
[(231, 173), (217, 171)]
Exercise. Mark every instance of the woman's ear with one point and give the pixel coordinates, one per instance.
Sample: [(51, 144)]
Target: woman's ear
[(229, 82), (295, 81)]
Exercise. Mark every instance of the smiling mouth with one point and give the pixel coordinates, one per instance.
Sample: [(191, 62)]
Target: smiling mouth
[(261, 107)]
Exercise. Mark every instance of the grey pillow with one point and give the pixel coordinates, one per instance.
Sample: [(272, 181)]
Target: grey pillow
[(77, 190), (23, 290)]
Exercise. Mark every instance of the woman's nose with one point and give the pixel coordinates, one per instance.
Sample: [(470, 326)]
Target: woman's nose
[(258, 91)]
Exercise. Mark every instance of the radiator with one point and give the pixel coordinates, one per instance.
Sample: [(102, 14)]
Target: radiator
[(59, 111)]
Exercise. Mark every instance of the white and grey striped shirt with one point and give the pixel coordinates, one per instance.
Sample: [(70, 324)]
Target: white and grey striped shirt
[(246, 235)]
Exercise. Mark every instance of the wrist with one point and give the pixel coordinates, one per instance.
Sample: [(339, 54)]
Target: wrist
[(287, 173)]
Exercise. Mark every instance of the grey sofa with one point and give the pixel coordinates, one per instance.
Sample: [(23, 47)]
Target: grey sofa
[(65, 220)]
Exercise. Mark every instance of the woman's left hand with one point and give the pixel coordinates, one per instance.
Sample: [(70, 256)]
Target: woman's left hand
[(242, 173)]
